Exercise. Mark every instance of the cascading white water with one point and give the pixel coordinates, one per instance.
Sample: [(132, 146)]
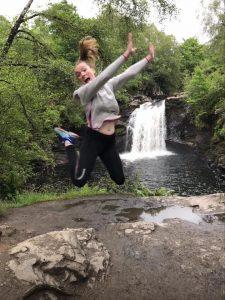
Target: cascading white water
[(147, 128)]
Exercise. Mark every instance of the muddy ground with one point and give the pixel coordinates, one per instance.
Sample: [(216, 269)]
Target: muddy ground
[(180, 259)]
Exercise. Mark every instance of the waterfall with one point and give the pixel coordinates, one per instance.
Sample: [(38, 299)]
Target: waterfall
[(147, 132)]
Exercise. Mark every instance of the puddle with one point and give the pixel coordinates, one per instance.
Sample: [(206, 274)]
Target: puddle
[(159, 214), (132, 213), (183, 213)]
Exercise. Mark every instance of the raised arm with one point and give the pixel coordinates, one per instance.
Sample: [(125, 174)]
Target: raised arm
[(86, 92), (118, 81)]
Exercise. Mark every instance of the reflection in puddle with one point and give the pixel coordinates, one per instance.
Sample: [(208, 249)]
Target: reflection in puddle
[(184, 213), (159, 214)]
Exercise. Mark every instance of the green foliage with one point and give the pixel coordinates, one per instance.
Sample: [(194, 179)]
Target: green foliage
[(132, 186), (5, 27), (106, 186), (163, 76), (35, 92), (206, 88), (206, 96), (192, 54), (29, 198), (214, 24), (197, 89), (37, 77), (139, 10)]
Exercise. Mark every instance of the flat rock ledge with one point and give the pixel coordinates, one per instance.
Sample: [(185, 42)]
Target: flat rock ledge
[(137, 229), (60, 258)]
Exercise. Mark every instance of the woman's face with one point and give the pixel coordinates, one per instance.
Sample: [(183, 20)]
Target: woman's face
[(84, 72)]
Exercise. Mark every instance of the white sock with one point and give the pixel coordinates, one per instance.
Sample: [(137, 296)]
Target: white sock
[(67, 143)]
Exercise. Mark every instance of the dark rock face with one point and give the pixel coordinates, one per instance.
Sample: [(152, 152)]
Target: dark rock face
[(180, 125), (121, 142), (181, 129), (134, 103)]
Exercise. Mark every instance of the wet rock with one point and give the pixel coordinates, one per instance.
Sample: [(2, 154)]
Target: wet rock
[(220, 216), (135, 103), (178, 119), (7, 230), (194, 205), (181, 128), (60, 258), (209, 218), (139, 99), (142, 228)]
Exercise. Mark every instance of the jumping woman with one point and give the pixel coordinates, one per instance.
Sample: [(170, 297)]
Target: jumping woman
[(97, 96)]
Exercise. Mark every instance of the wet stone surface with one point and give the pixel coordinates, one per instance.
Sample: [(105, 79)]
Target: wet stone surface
[(158, 259)]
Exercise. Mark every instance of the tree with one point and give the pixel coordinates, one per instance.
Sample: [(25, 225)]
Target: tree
[(192, 54), (138, 10), (206, 88), (14, 31), (36, 82), (34, 86)]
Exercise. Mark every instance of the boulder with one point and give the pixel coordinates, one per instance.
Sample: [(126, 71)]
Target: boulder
[(60, 258)]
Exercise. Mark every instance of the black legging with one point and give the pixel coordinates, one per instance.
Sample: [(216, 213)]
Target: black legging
[(94, 144)]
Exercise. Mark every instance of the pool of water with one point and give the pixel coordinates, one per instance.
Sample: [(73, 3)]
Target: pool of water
[(184, 213), (160, 214), (185, 172)]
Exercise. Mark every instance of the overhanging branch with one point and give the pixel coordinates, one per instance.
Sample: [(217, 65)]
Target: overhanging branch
[(14, 31), (30, 66), (35, 40)]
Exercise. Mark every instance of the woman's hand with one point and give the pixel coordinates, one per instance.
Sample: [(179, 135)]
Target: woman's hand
[(130, 48), (151, 53)]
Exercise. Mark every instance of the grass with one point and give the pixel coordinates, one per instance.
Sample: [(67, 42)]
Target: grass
[(105, 186), (29, 198)]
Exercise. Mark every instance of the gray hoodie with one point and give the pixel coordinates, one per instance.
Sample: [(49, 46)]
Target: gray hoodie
[(98, 95)]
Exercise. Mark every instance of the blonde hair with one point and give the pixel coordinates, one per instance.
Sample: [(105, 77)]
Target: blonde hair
[(89, 51)]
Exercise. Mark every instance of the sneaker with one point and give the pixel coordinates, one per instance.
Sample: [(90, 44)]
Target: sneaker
[(66, 135)]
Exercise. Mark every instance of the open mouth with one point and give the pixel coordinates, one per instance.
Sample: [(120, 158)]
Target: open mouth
[(87, 80)]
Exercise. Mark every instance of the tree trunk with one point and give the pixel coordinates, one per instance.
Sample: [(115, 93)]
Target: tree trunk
[(14, 31)]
